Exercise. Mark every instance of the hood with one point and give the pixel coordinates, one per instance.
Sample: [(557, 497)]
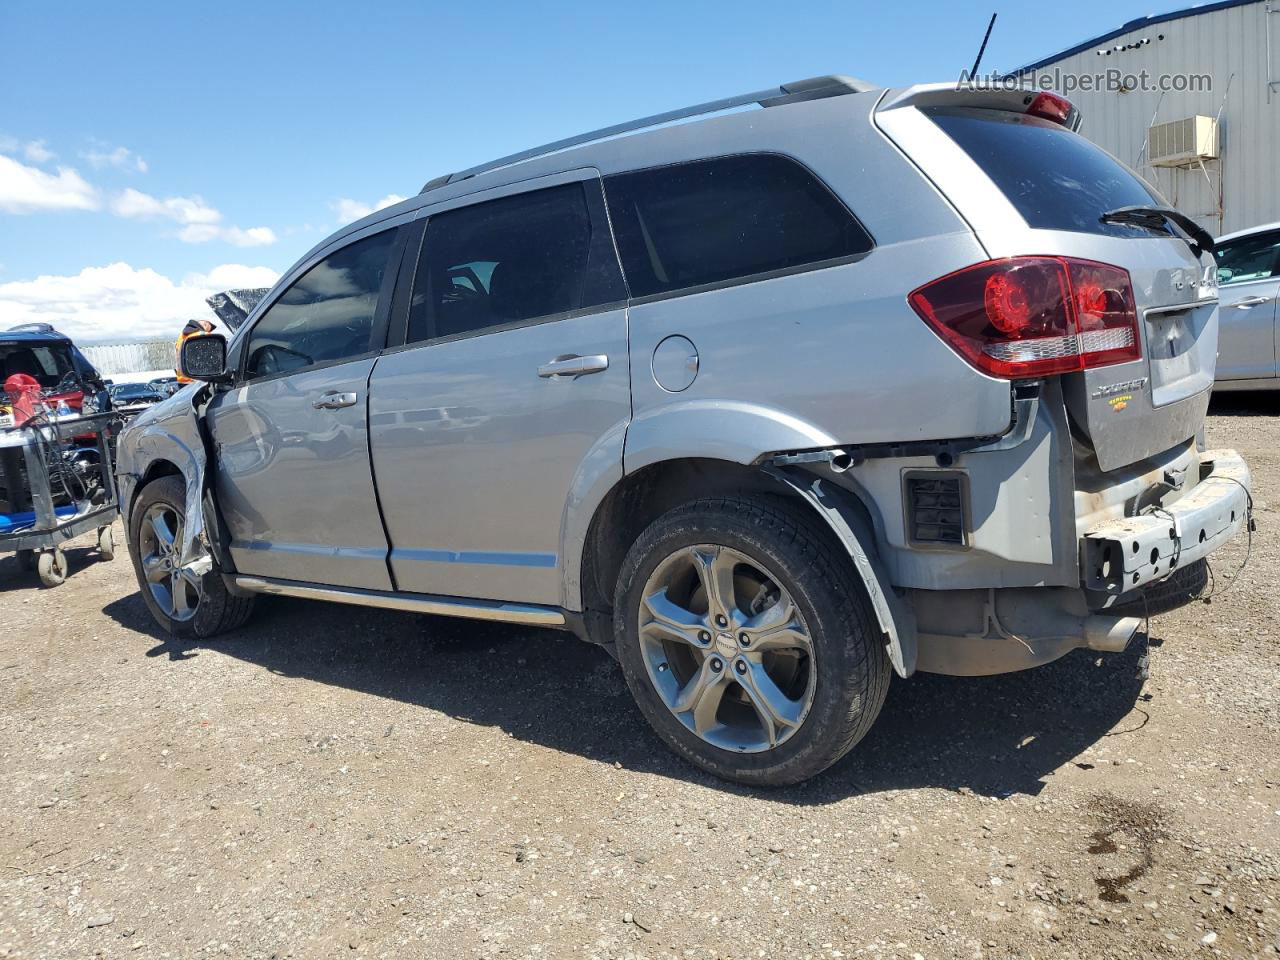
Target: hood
[(234, 306)]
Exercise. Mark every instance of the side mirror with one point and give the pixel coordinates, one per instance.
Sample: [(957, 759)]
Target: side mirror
[(204, 357)]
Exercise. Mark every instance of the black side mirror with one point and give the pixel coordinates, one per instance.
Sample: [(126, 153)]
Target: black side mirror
[(204, 357)]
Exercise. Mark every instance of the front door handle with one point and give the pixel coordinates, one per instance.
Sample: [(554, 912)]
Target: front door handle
[(1247, 302), (334, 400), (572, 366)]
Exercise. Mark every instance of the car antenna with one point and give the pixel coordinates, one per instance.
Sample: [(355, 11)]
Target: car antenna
[(983, 49)]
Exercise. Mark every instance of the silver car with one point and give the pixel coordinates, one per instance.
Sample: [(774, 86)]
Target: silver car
[(773, 397), (1249, 287)]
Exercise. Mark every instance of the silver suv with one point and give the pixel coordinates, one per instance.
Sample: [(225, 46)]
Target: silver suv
[(824, 383)]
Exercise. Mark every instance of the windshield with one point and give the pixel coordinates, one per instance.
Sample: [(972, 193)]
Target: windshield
[(50, 364), (133, 392), (1056, 179), (1256, 257)]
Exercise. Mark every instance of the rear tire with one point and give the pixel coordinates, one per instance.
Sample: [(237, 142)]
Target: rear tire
[(206, 607), (1185, 585), (832, 669)]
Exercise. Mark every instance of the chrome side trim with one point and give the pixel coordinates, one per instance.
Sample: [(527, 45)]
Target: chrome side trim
[(524, 613)]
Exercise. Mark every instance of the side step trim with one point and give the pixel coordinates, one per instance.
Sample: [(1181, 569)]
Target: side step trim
[(525, 613)]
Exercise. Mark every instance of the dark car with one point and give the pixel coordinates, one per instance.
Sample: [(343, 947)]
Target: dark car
[(64, 373), (166, 386), (128, 397)]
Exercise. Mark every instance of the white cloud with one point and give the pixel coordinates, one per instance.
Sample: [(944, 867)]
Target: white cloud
[(204, 232), (26, 189), (37, 151), (201, 222), (348, 209), (136, 204), (104, 155), (120, 301)]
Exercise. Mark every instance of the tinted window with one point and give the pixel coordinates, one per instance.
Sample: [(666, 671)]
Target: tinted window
[(724, 219), (324, 315), (1056, 179), (504, 261), (1248, 258)]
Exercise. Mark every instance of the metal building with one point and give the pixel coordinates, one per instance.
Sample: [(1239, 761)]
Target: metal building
[(1210, 139)]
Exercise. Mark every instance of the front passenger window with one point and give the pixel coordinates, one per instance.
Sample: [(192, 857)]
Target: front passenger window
[(1254, 257), (324, 315)]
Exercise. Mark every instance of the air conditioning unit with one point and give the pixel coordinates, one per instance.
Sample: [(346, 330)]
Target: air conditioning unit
[(1181, 143)]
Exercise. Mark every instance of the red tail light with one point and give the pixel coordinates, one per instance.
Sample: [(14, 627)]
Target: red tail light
[(1034, 316)]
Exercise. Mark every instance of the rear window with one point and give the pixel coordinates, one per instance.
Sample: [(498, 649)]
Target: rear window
[(1056, 179), (725, 219), (50, 364)]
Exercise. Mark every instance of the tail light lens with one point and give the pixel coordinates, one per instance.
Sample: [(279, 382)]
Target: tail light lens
[(1034, 316), (1050, 106)]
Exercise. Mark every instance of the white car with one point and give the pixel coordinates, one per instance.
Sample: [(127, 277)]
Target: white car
[(1248, 285)]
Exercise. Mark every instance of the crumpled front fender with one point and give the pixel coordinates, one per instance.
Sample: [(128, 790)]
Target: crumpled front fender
[(169, 432)]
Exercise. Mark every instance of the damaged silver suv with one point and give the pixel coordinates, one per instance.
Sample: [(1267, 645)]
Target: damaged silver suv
[(824, 383)]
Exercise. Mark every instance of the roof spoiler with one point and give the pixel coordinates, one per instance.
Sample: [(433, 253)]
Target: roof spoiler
[(1011, 99), (814, 88)]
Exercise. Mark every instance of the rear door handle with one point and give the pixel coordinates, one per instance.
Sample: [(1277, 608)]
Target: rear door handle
[(334, 400), (1248, 302), (573, 366)]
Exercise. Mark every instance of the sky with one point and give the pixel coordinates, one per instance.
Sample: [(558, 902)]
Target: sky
[(154, 153)]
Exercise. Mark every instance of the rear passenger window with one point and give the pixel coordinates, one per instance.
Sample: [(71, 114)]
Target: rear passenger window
[(725, 219), (506, 261), (325, 315)]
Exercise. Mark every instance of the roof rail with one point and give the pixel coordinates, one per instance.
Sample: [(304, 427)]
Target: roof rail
[(815, 88)]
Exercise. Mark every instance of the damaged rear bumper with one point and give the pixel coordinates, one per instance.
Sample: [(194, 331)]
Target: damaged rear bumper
[(1118, 556)]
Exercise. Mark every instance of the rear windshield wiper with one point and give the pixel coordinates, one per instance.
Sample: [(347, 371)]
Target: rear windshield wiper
[(1162, 218)]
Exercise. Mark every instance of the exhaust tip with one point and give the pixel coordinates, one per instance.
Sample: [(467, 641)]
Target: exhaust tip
[(1110, 634)]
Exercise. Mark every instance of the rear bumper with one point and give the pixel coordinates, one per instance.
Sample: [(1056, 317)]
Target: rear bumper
[(1118, 556)]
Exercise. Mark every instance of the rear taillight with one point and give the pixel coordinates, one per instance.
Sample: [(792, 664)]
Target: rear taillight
[(1034, 316)]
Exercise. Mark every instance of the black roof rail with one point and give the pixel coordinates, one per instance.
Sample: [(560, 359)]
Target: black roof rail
[(814, 88)]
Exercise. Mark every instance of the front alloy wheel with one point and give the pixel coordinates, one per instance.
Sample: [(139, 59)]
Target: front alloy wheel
[(183, 602), (175, 590)]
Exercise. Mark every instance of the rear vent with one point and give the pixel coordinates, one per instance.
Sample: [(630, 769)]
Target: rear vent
[(936, 509)]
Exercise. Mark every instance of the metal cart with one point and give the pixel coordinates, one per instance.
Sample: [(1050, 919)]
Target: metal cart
[(34, 527)]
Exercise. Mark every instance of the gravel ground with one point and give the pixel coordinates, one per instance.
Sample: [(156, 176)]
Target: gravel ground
[(334, 781)]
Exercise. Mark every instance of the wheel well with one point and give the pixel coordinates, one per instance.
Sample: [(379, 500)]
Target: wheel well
[(641, 498), (155, 470)]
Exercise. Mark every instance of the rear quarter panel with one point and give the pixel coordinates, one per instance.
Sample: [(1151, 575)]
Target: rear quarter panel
[(838, 350)]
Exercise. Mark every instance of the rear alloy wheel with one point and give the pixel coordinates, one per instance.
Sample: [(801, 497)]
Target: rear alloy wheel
[(726, 649), (748, 641), (183, 602)]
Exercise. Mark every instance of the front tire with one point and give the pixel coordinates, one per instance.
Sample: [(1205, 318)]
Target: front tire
[(748, 641), (183, 603)]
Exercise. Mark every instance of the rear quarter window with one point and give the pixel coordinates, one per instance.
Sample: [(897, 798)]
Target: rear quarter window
[(726, 219), (1056, 179)]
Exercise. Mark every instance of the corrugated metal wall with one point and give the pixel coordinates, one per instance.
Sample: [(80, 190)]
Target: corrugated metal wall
[(1219, 43), (120, 359)]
